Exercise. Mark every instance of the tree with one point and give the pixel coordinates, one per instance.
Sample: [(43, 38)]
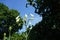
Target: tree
[(9, 18), (49, 27)]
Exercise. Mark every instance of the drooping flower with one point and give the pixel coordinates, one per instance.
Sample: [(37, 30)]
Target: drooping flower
[(19, 24), (4, 34), (26, 16), (10, 28), (31, 15), (31, 18), (17, 20), (30, 27), (17, 17)]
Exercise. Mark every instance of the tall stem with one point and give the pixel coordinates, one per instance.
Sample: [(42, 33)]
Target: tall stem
[(26, 31), (26, 35), (4, 38), (9, 35)]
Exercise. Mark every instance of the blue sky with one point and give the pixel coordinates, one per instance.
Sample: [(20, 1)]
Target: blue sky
[(20, 5)]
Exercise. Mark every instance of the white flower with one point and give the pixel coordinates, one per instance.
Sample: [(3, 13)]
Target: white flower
[(53, 27), (31, 18), (4, 34), (26, 16), (10, 28), (31, 15), (17, 17), (19, 24), (17, 20), (30, 27)]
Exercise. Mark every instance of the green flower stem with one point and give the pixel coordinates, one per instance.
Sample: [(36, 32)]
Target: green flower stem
[(9, 35), (26, 29), (4, 36), (10, 28)]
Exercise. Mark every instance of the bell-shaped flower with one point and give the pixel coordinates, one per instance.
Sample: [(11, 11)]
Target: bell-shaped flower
[(19, 24), (31, 18), (54, 26), (10, 28), (30, 28), (31, 15), (17, 20), (4, 34), (26, 16), (17, 17)]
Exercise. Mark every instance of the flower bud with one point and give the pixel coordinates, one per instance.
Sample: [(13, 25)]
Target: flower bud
[(10, 28), (4, 34)]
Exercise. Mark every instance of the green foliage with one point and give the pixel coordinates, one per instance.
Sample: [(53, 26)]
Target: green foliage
[(15, 12), (7, 19), (49, 27), (18, 36)]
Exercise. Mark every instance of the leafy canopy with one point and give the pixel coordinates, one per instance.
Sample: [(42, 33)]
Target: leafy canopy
[(8, 19)]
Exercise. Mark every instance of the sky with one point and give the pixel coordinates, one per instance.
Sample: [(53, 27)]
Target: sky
[(20, 5)]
